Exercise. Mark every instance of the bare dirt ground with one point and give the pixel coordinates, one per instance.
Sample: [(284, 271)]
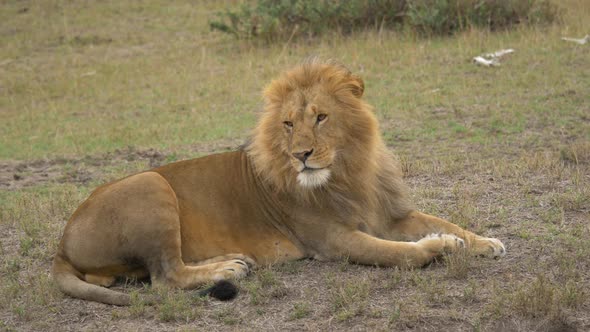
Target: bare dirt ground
[(15, 174)]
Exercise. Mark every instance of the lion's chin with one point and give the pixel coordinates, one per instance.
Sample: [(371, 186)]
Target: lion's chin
[(313, 178)]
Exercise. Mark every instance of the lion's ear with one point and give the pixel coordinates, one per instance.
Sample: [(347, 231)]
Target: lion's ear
[(358, 86)]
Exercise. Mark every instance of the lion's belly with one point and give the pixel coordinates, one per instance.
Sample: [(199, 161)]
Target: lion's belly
[(205, 237)]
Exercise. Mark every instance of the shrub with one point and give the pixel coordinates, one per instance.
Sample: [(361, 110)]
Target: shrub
[(276, 19), (272, 20), (448, 16)]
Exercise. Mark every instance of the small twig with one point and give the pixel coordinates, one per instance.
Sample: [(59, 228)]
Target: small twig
[(90, 73), (492, 59), (499, 53), (485, 62), (580, 41)]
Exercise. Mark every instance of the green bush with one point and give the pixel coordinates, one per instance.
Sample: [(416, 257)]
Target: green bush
[(272, 20), (448, 16), (276, 19)]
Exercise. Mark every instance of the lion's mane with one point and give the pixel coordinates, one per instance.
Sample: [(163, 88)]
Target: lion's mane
[(366, 176)]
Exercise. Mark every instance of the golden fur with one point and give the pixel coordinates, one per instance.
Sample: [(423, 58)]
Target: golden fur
[(316, 180)]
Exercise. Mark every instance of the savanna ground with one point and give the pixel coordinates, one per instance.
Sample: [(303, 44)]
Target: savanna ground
[(93, 91)]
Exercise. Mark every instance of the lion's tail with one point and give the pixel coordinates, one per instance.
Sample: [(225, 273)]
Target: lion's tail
[(69, 281), (222, 290)]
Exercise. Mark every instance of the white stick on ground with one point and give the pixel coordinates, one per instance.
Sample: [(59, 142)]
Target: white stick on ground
[(499, 53), (580, 41), (492, 59), (485, 62)]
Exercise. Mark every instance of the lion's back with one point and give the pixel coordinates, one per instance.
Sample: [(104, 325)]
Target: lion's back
[(205, 175)]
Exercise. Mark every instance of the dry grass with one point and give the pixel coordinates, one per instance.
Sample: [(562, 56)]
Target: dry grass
[(503, 151)]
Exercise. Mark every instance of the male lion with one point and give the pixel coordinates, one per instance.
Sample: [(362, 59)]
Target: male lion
[(316, 180)]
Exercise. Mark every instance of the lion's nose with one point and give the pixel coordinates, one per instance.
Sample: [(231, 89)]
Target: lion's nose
[(303, 155)]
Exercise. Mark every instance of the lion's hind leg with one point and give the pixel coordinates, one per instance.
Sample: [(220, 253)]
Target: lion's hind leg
[(153, 237), (130, 228)]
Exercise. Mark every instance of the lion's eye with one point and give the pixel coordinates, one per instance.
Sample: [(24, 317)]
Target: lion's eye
[(322, 117), (288, 124)]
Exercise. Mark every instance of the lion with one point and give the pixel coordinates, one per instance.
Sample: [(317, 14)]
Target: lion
[(315, 180)]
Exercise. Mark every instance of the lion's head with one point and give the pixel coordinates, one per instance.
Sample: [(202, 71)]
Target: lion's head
[(316, 131)]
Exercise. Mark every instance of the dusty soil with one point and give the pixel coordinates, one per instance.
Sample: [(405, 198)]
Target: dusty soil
[(15, 174)]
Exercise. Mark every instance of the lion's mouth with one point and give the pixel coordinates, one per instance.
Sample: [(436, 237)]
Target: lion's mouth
[(312, 169)]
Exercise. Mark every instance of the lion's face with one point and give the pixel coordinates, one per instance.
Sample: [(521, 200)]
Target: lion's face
[(315, 126), (310, 134)]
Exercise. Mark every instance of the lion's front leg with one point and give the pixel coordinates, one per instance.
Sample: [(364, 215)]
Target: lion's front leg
[(363, 248), (251, 263), (417, 225)]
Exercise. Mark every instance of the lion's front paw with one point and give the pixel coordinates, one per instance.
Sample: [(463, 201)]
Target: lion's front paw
[(489, 247), (232, 269), (440, 243)]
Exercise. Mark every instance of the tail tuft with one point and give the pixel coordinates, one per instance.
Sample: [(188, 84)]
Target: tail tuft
[(222, 290)]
